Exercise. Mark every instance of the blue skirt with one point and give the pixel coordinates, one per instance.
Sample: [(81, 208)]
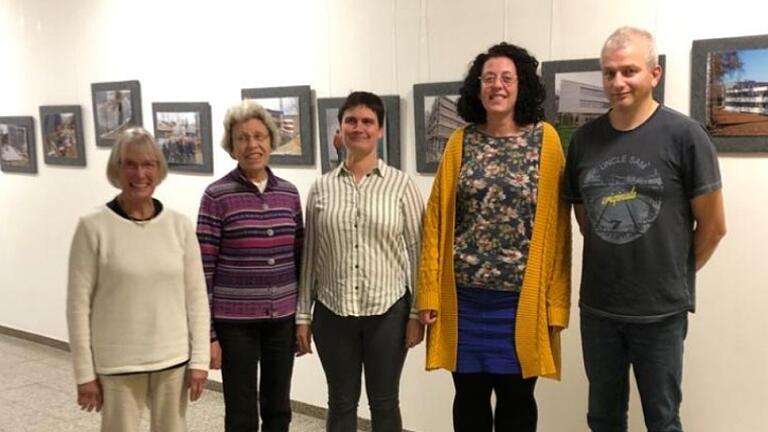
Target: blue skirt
[(487, 331)]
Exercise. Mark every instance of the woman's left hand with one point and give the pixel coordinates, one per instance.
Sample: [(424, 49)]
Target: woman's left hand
[(414, 333), (196, 382)]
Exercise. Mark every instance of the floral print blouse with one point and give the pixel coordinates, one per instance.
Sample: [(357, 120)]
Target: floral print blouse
[(495, 206)]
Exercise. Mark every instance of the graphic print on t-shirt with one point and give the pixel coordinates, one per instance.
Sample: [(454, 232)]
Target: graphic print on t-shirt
[(623, 196)]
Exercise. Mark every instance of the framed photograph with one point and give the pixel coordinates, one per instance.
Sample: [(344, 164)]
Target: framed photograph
[(183, 132), (575, 93), (291, 109), (729, 91), (17, 145), (435, 118), (61, 134), (332, 151), (116, 106)]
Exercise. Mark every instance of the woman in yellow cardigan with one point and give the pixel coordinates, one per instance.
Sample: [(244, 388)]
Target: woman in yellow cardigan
[(494, 282)]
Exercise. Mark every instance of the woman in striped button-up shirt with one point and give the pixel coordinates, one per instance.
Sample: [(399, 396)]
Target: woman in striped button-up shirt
[(359, 267), (250, 230)]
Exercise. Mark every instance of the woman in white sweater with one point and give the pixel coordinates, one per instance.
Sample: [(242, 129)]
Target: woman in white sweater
[(137, 307)]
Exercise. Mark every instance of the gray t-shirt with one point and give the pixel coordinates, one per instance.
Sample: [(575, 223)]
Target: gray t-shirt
[(636, 187)]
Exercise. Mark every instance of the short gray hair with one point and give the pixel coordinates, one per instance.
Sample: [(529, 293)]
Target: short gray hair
[(242, 112), (624, 36), (139, 137)]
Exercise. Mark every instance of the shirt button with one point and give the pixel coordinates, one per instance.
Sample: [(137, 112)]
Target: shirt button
[(355, 246), (265, 206), (271, 261), (356, 288), (270, 232), (357, 266)]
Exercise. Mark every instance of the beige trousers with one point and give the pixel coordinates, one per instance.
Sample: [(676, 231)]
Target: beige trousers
[(125, 397)]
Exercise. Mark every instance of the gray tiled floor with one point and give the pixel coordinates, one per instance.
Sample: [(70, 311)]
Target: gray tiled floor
[(37, 394)]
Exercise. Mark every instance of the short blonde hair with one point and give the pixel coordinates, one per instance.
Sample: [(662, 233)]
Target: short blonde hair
[(139, 137), (623, 36), (242, 112)]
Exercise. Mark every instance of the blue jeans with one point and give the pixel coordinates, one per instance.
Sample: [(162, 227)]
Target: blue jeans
[(655, 351)]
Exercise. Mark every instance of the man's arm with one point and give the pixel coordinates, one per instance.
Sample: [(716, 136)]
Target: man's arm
[(581, 217), (710, 225)]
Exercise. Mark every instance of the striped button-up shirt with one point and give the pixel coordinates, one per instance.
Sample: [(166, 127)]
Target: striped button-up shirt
[(362, 242), (251, 245)]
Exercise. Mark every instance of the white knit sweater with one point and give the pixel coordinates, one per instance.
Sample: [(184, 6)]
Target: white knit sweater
[(136, 299)]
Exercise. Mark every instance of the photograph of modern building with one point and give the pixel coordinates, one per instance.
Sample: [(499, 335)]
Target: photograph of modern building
[(579, 98), (737, 93), (441, 119)]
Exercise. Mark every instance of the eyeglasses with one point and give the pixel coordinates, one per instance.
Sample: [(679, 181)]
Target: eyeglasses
[(246, 138), (134, 166), (507, 79)]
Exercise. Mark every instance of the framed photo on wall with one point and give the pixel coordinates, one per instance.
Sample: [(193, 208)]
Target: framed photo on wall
[(435, 118), (61, 134), (575, 93), (183, 132), (332, 151), (17, 145), (291, 109), (729, 91), (116, 107)]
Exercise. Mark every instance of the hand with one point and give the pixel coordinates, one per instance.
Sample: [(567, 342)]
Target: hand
[(303, 339), (196, 382), (89, 396), (414, 333), (428, 316), (215, 355)]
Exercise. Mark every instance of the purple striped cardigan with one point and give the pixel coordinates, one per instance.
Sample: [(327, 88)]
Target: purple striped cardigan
[(251, 246)]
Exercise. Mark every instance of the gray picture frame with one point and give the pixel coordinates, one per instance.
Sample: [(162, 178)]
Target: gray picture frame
[(701, 93), (389, 150), (184, 157), (116, 106), (550, 70), (431, 140), (56, 143), (23, 129), (303, 94)]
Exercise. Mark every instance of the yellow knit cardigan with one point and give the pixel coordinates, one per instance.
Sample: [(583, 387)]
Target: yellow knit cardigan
[(545, 299)]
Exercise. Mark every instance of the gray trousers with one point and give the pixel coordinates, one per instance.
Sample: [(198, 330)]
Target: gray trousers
[(347, 346)]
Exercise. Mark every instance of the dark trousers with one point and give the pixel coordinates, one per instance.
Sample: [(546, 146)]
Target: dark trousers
[(515, 403), (246, 346), (348, 345), (655, 351)]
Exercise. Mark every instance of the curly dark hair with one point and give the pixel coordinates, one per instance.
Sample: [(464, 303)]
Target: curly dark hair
[(530, 90)]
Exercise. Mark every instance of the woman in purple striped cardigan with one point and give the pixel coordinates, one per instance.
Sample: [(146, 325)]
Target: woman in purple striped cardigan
[(250, 230)]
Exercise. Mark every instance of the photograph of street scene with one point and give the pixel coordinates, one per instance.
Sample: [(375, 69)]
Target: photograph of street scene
[(579, 98), (285, 111), (60, 136), (180, 137), (737, 93), (14, 146)]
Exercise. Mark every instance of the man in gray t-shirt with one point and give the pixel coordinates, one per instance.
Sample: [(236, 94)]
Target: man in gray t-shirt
[(645, 185)]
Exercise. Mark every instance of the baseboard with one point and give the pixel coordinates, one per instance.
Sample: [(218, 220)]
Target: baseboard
[(298, 407)]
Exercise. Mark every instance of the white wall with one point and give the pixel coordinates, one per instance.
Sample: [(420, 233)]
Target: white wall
[(50, 52)]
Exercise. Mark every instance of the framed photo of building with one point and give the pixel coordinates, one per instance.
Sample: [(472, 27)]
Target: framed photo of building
[(116, 107), (332, 151), (435, 118), (729, 91), (61, 134), (17, 145), (291, 109), (575, 93), (183, 132)]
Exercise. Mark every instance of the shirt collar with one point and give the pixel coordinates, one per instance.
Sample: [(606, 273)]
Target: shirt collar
[(380, 169), (238, 175)]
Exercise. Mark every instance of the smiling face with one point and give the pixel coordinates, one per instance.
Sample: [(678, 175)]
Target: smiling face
[(628, 79), (139, 173), (251, 147), (360, 131), (498, 87)]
